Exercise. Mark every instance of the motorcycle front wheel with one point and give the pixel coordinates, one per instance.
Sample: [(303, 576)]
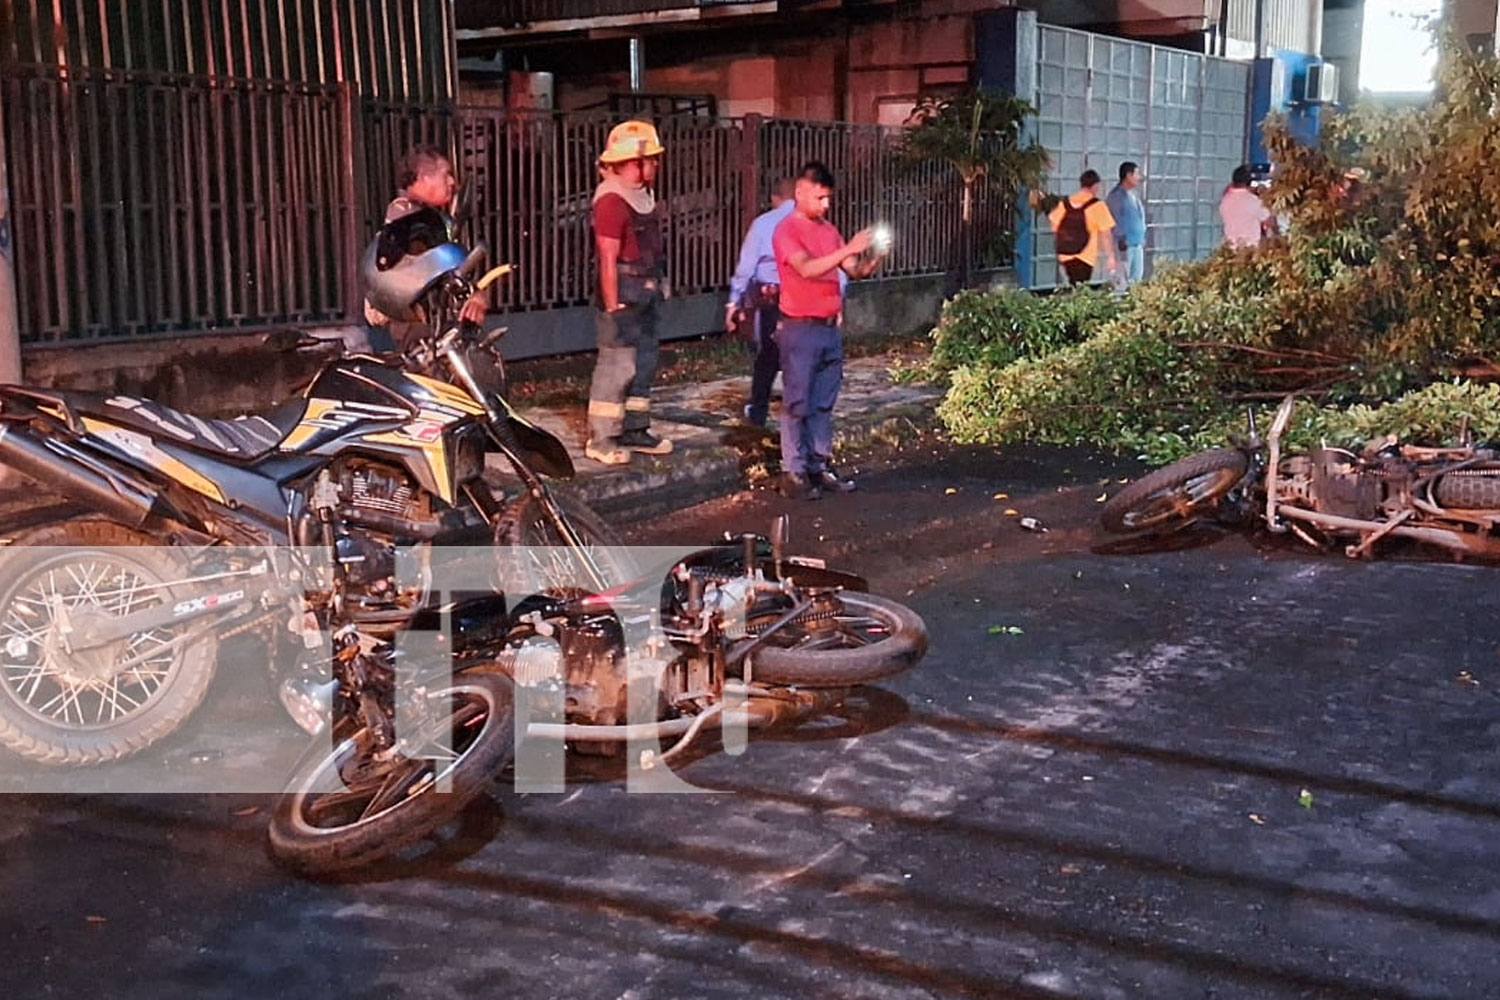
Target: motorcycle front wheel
[(348, 806), (1175, 494), (844, 640), (539, 560)]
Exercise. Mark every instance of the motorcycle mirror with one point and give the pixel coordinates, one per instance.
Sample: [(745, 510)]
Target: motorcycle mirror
[(474, 261), (458, 208), (1283, 416), (781, 533)]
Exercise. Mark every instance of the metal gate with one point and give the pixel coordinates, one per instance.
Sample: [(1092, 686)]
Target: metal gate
[(1180, 115)]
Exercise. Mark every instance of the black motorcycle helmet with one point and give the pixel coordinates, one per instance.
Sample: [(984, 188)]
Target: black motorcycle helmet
[(408, 256)]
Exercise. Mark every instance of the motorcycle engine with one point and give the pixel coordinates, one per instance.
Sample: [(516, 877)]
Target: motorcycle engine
[(1341, 485), (375, 502)]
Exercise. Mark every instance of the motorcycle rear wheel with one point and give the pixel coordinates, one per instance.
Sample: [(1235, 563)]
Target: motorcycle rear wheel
[(861, 639), (344, 809), (107, 703), (1469, 492), (1175, 494)]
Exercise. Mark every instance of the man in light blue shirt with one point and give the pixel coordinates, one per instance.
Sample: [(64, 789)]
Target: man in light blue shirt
[(1130, 226), (754, 292)]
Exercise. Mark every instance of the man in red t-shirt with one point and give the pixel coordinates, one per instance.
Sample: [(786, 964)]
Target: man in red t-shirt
[(809, 255), (632, 270)]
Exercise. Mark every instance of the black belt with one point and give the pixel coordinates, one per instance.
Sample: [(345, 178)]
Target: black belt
[(814, 320)]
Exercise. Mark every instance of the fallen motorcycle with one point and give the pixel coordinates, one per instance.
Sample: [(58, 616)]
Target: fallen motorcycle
[(186, 531), (1443, 497), (740, 636)]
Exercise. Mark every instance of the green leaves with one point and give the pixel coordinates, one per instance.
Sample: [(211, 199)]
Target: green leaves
[(1383, 289), (980, 134)]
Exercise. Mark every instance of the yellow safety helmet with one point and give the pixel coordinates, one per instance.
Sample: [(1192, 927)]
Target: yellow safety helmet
[(633, 140)]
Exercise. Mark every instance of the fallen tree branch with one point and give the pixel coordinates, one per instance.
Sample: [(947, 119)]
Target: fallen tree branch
[(1286, 352)]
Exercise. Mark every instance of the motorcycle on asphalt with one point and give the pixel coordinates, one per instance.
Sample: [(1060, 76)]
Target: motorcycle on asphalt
[(318, 524), (1329, 497)]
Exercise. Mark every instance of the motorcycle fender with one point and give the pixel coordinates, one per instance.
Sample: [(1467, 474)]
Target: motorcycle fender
[(541, 450)]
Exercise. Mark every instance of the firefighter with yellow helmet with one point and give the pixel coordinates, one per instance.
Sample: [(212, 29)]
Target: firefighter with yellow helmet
[(630, 246)]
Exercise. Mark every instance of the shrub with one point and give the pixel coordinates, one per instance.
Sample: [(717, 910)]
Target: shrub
[(996, 328), (1380, 287)]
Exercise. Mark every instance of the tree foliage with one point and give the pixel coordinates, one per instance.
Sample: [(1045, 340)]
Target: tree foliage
[(982, 136), (1387, 280)]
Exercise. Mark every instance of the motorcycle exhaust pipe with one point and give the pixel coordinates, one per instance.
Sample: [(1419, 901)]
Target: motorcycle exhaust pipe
[(77, 476)]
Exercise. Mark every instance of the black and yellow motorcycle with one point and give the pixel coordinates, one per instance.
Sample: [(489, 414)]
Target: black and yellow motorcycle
[(326, 523), (185, 530)]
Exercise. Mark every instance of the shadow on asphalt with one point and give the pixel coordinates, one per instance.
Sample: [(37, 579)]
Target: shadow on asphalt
[(1194, 536)]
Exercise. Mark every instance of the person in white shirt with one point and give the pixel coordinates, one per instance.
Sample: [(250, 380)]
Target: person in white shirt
[(1243, 212)]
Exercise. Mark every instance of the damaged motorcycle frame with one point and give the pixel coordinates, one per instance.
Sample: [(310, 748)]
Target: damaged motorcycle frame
[(1329, 497)]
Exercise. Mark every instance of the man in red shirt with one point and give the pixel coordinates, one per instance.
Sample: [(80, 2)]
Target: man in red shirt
[(809, 255), (629, 242)]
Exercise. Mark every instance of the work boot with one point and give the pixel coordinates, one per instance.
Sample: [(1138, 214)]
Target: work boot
[(606, 452), (799, 487), (829, 482), (645, 442)]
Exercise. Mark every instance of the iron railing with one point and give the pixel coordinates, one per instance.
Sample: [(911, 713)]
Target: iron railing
[(145, 204), (152, 204)]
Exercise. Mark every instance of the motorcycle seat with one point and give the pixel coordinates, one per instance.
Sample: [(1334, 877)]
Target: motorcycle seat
[(242, 439)]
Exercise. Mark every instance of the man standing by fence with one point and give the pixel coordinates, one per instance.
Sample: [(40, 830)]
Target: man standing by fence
[(1130, 226), (754, 294), (425, 180), (810, 253), (631, 248)]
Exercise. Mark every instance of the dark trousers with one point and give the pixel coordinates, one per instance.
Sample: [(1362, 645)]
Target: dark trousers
[(1079, 272), (767, 361), (620, 396), (812, 369)]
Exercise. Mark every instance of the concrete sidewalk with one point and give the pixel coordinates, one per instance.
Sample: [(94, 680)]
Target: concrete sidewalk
[(715, 452)]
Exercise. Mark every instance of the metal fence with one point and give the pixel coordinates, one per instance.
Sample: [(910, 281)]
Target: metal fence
[(148, 203), (158, 204), (1180, 115)]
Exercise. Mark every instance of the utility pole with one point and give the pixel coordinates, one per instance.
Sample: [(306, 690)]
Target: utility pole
[(10, 321)]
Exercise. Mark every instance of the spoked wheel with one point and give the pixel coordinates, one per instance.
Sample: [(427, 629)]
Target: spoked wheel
[(61, 704), (844, 639), (539, 560), (1176, 494), (350, 806)]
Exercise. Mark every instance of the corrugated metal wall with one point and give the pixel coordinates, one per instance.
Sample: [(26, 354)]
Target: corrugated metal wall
[(1286, 22), (400, 50), (1180, 115)]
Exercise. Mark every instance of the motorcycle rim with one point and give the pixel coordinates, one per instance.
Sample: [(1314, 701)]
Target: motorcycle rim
[(1174, 494), (844, 639), (100, 704), (346, 807)]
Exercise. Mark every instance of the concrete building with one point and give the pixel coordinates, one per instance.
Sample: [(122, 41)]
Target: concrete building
[(864, 61)]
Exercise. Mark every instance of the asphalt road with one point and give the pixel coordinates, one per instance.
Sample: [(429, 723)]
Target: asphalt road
[(1223, 771)]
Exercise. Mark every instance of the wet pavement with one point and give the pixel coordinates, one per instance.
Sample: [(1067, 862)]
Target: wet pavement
[(1224, 771)]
